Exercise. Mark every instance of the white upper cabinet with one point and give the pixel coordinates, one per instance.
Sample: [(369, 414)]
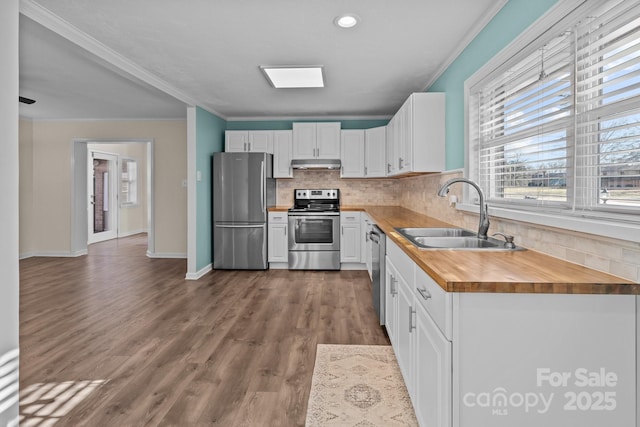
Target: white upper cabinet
[(352, 153), (417, 135), (375, 141), (316, 140), (252, 141), (236, 140), (261, 141), (282, 152)]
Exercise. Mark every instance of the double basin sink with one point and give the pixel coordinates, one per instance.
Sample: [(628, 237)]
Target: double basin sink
[(452, 238)]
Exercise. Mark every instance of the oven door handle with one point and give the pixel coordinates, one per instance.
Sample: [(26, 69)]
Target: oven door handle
[(311, 220)]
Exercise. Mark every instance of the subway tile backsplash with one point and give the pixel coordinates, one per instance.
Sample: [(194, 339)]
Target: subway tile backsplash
[(619, 257), (353, 192)]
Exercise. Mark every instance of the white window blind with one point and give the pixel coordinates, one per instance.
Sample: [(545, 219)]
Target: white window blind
[(558, 125), (524, 120), (608, 108)]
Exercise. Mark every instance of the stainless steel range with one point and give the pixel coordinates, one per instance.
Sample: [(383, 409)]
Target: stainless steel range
[(314, 230)]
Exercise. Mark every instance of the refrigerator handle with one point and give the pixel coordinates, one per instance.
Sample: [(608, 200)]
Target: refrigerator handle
[(264, 183)]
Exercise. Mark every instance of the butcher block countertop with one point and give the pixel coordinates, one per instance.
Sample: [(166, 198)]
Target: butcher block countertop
[(498, 272), (278, 208)]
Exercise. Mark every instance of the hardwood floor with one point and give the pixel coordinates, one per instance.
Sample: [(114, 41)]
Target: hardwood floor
[(235, 348)]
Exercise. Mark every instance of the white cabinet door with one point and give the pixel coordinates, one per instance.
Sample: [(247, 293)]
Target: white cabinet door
[(365, 242), (391, 301), (260, 141), (282, 153), (391, 146), (375, 155), (316, 140), (405, 137), (405, 332), (350, 237), (236, 141), (277, 244), (352, 153), (432, 372), (416, 135), (304, 140), (328, 140)]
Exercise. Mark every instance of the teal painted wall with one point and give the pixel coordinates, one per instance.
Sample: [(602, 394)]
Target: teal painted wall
[(288, 124), (209, 139), (508, 23)]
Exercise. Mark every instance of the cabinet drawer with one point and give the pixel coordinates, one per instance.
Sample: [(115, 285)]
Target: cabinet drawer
[(437, 302), (278, 217), (349, 217), (404, 264)]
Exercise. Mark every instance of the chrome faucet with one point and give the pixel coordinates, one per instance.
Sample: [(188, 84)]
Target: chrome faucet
[(483, 227)]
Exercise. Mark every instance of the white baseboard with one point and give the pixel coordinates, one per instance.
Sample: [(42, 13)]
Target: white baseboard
[(278, 266), (131, 233), (353, 266), (52, 254), (166, 254), (198, 274)]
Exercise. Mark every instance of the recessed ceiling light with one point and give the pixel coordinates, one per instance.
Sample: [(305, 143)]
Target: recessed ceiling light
[(347, 21), (294, 77)]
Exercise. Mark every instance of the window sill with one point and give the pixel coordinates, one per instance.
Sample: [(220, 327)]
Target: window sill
[(598, 227)]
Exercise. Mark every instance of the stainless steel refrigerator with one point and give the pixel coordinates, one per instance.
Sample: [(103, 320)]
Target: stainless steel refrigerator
[(243, 189)]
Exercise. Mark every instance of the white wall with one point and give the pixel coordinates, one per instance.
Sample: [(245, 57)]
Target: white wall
[(49, 222), (9, 192)]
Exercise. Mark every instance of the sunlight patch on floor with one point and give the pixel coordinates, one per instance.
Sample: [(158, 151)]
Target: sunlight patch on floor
[(43, 404)]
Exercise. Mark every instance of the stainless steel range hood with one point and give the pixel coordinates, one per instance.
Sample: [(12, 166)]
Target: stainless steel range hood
[(317, 164)]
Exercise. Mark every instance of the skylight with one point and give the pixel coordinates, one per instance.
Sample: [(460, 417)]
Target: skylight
[(294, 77)]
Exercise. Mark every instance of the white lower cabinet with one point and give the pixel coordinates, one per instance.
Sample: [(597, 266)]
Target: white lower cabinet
[(432, 372), (406, 331), (350, 237), (391, 301), (511, 359), (277, 244)]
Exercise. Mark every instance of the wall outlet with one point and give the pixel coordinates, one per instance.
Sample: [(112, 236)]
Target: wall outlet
[(453, 199)]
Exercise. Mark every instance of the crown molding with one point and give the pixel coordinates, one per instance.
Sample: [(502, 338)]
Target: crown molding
[(306, 118), (111, 58)]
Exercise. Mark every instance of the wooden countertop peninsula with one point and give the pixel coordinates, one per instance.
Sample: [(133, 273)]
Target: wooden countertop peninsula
[(499, 272)]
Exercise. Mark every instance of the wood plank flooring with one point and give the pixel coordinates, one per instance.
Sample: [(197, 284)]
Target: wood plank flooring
[(235, 348)]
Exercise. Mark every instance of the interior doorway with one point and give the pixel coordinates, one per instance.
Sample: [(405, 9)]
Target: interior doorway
[(131, 196), (102, 197)]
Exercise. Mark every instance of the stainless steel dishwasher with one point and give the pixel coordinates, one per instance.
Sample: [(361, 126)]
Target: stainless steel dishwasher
[(378, 252)]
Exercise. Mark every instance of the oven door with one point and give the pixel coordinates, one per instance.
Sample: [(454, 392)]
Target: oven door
[(317, 232)]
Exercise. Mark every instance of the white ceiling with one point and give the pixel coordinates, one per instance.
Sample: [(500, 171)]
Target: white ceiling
[(209, 52)]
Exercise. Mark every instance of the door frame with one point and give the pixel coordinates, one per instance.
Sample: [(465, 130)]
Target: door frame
[(114, 203), (79, 199)]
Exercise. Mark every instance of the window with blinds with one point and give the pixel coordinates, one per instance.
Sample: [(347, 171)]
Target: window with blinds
[(559, 125), (608, 108)]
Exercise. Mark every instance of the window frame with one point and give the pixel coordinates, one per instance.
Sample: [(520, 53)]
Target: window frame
[(135, 182), (621, 225)]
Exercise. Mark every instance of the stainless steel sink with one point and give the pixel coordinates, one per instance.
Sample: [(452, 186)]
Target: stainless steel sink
[(452, 238), (410, 233)]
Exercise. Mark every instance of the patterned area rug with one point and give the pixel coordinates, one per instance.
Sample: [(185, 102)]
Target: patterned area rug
[(359, 386)]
